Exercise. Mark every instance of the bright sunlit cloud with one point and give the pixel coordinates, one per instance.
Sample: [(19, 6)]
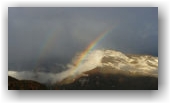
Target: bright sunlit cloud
[(144, 65)]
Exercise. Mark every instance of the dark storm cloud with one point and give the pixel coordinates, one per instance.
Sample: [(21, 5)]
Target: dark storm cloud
[(72, 29)]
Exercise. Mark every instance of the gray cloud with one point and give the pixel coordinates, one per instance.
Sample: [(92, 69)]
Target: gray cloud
[(57, 34)]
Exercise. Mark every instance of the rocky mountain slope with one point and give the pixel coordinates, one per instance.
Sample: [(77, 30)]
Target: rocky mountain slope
[(110, 70), (96, 79)]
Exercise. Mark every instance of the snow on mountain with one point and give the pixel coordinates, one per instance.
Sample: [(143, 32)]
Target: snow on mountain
[(142, 64), (115, 60)]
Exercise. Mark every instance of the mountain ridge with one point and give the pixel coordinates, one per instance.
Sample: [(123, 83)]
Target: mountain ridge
[(119, 68)]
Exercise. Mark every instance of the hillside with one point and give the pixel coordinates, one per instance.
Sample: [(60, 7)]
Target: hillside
[(97, 80), (100, 70), (14, 84)]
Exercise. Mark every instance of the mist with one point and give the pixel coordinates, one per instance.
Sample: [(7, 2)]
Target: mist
[(47, 39), (144, 66)]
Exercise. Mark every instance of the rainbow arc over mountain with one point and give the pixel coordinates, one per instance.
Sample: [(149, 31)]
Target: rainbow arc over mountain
[(91, 46), (50, 42)]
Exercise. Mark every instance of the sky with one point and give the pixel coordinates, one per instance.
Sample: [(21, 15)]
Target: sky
[(53, 36)]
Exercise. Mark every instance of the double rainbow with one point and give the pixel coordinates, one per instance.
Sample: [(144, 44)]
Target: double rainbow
[(50, 40)]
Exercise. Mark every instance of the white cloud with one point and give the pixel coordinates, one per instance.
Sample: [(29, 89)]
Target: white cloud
[(146, 65)]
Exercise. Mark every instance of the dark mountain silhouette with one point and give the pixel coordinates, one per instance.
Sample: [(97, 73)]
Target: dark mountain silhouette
[(96, 79), (14, 84)]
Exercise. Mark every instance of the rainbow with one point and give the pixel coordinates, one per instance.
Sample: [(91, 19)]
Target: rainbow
[(48, 45), (50, 42), (91, 46)]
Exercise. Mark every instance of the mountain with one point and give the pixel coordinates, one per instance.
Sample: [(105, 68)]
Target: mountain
[(100, 70), (96, 79), (117, 71), (14, 84)]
